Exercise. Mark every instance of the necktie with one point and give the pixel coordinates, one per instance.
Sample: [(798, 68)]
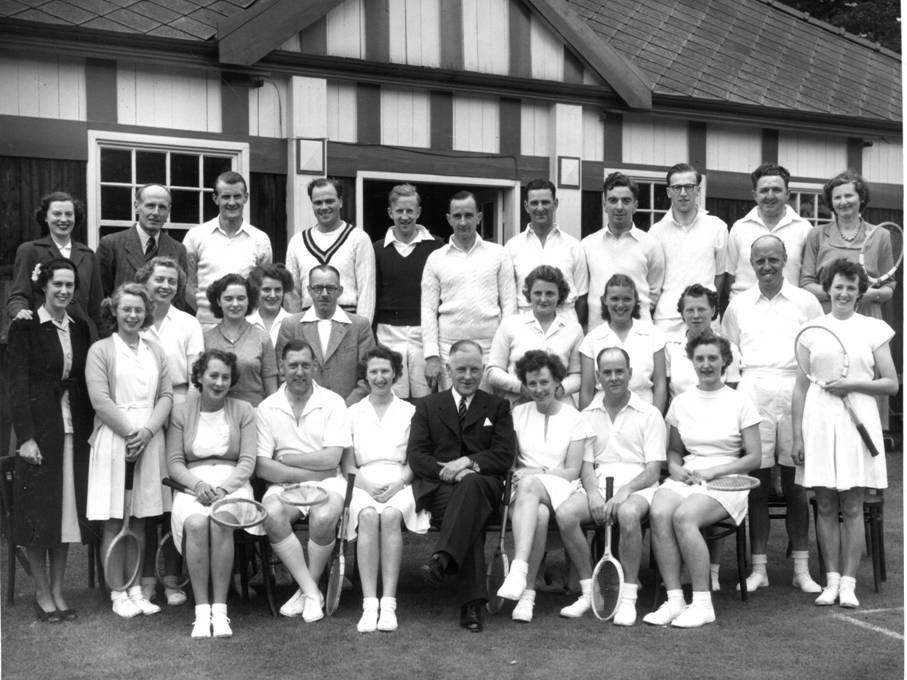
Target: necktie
[(461, 412), (150, 248)]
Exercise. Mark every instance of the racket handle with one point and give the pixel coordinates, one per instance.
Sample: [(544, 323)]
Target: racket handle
[(609, 488), (173, 484), (864, 435), (130, 474), (508, 488)]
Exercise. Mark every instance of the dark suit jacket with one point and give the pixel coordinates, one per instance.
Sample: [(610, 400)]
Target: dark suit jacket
[(86, 303), (121, 256), (434, 437), (338, 368)]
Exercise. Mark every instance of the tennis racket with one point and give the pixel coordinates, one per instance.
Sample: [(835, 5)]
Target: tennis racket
[(895, 236), (338, 560), (822, 358), (160, 564), (303, 495), (232, 513), (126, 541), (608, 576), (499, 566), (731, 483)]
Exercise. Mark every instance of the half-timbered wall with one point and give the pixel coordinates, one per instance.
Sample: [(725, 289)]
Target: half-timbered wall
[(43, 88)]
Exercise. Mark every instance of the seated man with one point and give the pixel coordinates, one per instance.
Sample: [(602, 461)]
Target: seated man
[(460, 445), (629, 445), (302, 431)]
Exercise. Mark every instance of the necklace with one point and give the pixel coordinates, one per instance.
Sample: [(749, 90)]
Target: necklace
[(851, 238)]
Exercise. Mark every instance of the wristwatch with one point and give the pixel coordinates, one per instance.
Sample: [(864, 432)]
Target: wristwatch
[(475, 467)]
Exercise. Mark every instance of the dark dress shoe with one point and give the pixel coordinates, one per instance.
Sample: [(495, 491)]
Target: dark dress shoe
[(471, 616), (46, 617), (433, 571), (68, 614)]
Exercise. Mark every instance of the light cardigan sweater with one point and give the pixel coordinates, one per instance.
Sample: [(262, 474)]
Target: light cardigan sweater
[(100, 378), (241, 449)]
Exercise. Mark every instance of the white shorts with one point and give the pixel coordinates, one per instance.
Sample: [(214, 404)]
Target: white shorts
[(734, 502), (772, 393), (557, 488)]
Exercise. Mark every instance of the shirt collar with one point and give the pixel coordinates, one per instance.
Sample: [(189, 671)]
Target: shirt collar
[(216, 227), (783, 292), (530, 320), (144, 235), (529, 232), (44, 316), (453, 244), (339, 315), (422, 234), (635, 403), (632, 232), (457, 397), (315, 401)]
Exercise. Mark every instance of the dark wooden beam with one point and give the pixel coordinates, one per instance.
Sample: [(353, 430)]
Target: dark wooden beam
[(520, 54), (234, 108), (441, 117), (855, 154), (769, 145), (101, 90), (602, 58), (314, 38), (451, 18), (377, 35), (247, 36), (368, 114), (510, 120), (614, 138), (573, 67), (697, 142)]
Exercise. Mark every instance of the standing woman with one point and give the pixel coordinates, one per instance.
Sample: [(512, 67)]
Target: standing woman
[(543, 327), (831, 457), (383, 497), (231, 298), (52, 418), (60, 214), (180, 336), (273, 282), (129, 386), (642, 341)]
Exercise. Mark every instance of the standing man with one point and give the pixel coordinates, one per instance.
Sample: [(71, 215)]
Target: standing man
[(399, 262), (302, 431), (339, 339), (629, 445), (335, 242), (621, 248), (543, 242), (694, 245), (763, 322), (225, 244), (467, 288), (122, 254), (772, 215), (461, 443)]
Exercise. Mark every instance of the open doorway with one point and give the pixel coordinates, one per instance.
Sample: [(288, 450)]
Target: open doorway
[(498, 201)]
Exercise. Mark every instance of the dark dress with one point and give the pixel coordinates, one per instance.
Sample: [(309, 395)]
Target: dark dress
[(36, 387)]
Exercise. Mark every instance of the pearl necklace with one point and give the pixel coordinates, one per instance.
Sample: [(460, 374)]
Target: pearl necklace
[(852, 238)]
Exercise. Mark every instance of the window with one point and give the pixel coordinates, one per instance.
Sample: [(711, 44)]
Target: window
[(120, 163), (807, 200)]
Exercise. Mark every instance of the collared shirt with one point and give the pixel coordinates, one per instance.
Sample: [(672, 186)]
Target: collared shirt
[(180, 336), (404, 248), (324, 325), (642, 343), (323, 422), (560, 250), (634, 253), (144, 236), (637, 435), (65, 339), (694, 253), (384, 439), (213, 253), (764, 329), (255, 319), (520, 333), (792, 230), (457, 398), (65, 251)]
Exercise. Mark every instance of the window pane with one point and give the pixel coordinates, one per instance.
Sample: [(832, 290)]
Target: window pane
[(116, 203), (214, 165), (185, 206), (645, 196), (183, 170), (150, 167), (208, 207), (116, 165), (662, 202), (642, 220)]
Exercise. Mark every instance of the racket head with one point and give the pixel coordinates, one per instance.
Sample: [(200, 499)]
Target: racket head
[(238, 513), (895, 237), (497, 572), (335, 585), (733, 483), (166, 543), (303, 495), (129, 544), (820, 354), (607, 581)]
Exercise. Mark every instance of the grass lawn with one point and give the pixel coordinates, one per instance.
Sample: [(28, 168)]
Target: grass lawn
[(779, 633)]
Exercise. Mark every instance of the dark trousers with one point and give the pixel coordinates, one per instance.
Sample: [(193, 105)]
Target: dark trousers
[(464, 509)]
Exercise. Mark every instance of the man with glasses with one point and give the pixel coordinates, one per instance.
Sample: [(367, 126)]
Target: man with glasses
[(340, 339), (693, 242)]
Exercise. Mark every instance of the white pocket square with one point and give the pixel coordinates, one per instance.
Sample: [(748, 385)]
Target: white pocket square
[(487, 423)]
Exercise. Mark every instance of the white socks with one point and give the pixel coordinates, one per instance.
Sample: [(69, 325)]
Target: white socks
[(829, 594), (802, 579), (758, 578)]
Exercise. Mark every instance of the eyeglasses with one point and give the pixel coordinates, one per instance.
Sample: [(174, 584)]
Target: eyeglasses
[(678, 188), (318, 290)]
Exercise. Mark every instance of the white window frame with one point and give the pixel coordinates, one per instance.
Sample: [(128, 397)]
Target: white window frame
[(811, 188), (507, 206), (104, 138), (656, 177)]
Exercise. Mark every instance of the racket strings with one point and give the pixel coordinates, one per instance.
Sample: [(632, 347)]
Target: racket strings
[(821, 355), (606, 588)]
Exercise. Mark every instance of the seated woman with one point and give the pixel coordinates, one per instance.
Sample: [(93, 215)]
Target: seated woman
[(710, 424), (211, 446), (383, 496), (550, 436)]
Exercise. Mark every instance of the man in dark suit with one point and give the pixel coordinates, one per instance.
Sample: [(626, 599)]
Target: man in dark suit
[(461, 443), (122, 254), (340, 339)]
